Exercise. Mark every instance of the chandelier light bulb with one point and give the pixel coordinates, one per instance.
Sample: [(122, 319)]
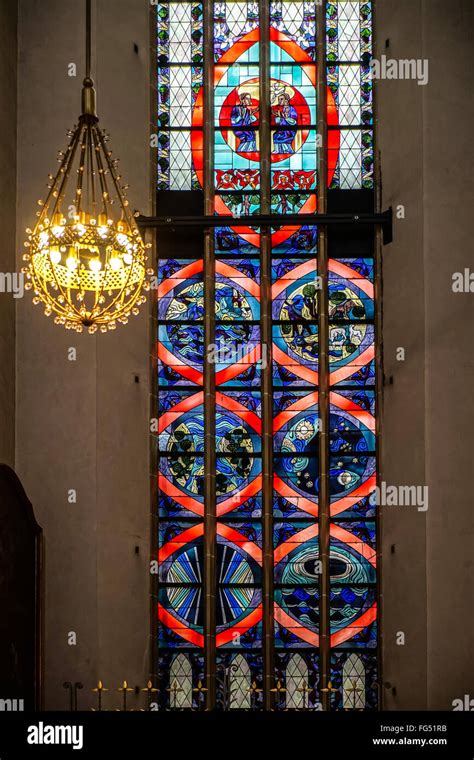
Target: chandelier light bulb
[(95, 265), (115, 263), (71, 263), (54, 255)]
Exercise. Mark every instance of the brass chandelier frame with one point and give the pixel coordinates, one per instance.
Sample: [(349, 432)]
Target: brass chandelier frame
[(87, 265)]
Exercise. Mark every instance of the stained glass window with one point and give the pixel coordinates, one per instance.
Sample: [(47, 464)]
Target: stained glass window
[(264, 343), (349, 50), (180, 72)]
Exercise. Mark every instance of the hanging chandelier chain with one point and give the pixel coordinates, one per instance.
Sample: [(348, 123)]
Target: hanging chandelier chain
[(88, 39)]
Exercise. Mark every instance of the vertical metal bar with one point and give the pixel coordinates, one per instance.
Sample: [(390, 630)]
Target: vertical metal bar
[(266, 339), (152, 313), (323, 360), (209, 370), (154, 468), (378, 384), (265, 108), (379, 444), (88, 39)]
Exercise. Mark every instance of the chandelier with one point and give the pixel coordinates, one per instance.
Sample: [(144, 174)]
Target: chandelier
[(86, 260)]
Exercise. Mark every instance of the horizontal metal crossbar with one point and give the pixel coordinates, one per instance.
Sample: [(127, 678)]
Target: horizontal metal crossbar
[(273, 220)]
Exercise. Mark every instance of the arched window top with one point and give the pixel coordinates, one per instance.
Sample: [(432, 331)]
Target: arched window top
[(297, 683), (181, 683), (296, 666), (353, 683), (239, 684)]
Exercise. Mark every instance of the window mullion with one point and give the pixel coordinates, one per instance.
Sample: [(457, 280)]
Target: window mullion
[(210, 547), (323, 363), (266, 328)]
